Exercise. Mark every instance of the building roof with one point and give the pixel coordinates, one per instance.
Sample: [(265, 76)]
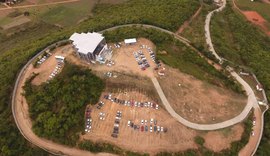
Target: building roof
[(131, 40), (86, 42)]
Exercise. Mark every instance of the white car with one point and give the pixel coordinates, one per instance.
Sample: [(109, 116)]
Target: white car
[(161, 129), (254, 123), (145, 121), (252, 133), (151, 120), (158, 128), (129, 123), (135, 104), (156, 106), (151, 129), (142, 121)]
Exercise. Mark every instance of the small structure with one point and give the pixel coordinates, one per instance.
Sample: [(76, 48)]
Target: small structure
[(130, 41), (60, 58), (90, 47)]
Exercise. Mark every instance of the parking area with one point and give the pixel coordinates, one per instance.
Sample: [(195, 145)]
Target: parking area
[(50, 66), (145, 129)]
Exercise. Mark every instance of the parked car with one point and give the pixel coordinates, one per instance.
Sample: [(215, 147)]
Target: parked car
[(142, 128), (129, 123), (146, 128), (151, 120)]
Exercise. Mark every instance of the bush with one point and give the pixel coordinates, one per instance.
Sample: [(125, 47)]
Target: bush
[(199, 140)]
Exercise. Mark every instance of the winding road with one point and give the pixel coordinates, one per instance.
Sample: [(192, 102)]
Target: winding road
[(23, 121)]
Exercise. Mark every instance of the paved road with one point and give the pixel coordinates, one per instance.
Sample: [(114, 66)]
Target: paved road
[(207, 30), (254, 141)]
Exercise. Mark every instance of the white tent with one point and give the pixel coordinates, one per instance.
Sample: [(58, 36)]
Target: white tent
[(130, 41)]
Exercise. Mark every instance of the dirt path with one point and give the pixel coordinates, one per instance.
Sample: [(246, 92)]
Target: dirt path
[(37, 5), (186, 23)]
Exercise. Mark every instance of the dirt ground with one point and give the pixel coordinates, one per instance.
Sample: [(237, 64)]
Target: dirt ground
[(178, 138), (46, 68), (257, 19), (198, 101), (219, 140), (124, 59)]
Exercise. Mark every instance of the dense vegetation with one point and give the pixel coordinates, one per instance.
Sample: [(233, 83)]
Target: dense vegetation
[(178, 55), (16, 54), (168, 14), (237, 40), (105, 147), (57, 108)]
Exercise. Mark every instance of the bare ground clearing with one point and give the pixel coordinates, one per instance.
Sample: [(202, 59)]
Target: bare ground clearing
[(199, 101)]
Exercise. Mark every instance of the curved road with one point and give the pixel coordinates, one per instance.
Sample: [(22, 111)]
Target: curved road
[(24, 123), (254, 141)]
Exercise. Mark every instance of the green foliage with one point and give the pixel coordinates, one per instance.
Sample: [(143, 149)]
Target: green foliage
[(199, 140), (168, 14), (105, 147), (179, 55), (237, 40), (57, 108)]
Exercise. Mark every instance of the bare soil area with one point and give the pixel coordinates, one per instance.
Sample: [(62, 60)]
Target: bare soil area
[(219, 140), (177, 138), (199, 101), (124, 59), (46, 68), (257, 19)]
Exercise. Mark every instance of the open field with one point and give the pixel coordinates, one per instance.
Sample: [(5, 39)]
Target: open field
[(16, 22), (262, 8), (198, 101)]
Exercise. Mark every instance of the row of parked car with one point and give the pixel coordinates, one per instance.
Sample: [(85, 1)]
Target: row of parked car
[(153, 127), (116, 124), (88, 120), (131, 103), (56, 69), (44, 58), (100, 105), (141, 60)]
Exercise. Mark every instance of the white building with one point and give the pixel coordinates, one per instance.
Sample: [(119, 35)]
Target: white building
[(90, 47), (130, 41)]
